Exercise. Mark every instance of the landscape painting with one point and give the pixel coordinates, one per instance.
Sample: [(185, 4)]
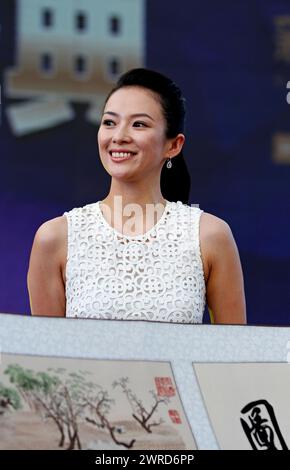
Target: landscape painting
[(68, 403)]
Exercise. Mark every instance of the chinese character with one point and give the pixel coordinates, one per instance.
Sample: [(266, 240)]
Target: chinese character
[(175, 417), (282, 42), (164, 386), (261, 427), (281, 148)]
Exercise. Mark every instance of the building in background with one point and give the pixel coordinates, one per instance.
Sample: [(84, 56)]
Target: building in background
[(71, 50)]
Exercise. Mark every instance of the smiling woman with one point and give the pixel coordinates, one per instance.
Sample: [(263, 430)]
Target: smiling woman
[(142, 253)]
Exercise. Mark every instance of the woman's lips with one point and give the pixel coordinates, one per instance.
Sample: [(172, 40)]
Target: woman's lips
[(121, 159)]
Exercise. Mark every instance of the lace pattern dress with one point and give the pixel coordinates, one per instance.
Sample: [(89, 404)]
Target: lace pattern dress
[(155, 276)]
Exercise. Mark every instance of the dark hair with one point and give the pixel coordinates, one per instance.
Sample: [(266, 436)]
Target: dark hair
[(175, 182)]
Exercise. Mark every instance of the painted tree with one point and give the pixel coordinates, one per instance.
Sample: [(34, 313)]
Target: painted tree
[(49, 402), (99, 405), (25, 382), (72, 393), (9, 398), (54, 397), (39, 392), (143, 415)]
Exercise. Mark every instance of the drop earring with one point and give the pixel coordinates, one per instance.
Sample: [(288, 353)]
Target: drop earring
[(169, 163)]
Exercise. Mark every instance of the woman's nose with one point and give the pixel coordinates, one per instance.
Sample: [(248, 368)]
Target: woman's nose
[(121, 134)]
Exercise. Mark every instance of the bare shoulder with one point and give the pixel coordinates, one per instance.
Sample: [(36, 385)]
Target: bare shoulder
[(52, 235), (215, 239), (214, 229), (46, 273), (50, 244), (224, 281)]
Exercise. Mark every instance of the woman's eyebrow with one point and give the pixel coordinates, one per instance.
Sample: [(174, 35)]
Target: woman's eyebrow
[(132, 115)]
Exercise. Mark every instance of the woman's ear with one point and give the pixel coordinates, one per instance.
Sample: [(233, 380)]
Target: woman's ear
[(175, 146)]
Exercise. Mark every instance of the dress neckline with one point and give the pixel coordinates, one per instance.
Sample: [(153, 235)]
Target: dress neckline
[(132, 237)]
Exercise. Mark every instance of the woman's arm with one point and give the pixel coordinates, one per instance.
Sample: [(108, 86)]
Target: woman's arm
[(225, 285), (46, 273)]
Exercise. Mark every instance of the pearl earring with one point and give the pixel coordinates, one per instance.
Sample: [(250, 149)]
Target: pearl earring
[(169, 163)]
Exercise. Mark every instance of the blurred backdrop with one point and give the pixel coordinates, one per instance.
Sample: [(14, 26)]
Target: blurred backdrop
[(59, 59)]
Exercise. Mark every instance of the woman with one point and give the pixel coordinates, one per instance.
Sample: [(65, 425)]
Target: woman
[(90, 263)]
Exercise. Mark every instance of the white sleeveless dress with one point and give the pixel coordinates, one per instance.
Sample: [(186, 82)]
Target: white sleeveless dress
[(157, 276)]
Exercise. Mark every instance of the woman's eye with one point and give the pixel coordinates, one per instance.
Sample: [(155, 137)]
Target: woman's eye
[(107, 122), (142, 123)]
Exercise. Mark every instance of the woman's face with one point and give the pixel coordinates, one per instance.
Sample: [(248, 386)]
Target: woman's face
[(132, 122)]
